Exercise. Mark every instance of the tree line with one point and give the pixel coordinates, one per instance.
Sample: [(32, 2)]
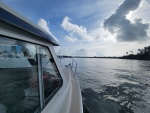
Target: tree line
[(142, 54)]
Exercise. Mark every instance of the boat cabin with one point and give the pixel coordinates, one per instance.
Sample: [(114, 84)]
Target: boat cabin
[(31, 80)]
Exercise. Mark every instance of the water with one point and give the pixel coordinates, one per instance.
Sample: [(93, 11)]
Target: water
[(114, 85)]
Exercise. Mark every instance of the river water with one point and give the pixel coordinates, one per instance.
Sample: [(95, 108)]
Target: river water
[(114, 85)]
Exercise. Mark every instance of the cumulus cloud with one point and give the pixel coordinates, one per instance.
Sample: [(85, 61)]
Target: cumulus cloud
[(123, 28), (69, 39), (82, 52), (75, 32), (43, 24), (62, 51)]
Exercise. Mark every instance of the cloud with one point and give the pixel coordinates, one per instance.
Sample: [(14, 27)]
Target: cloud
[(69, 39), (75, 32), (82, 52), (68, 26), (99, 53), (148, 0), (73, 51), (43, 24), (124, 29), (60, 50)]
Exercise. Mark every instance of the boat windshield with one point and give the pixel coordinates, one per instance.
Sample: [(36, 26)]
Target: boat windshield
[(20, 75)]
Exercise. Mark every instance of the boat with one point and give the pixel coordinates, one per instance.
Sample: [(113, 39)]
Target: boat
[(31, 78)]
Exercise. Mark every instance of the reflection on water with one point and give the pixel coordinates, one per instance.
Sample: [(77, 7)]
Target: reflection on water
[(114, 85)]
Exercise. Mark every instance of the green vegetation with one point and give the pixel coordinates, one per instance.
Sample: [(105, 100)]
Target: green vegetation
[(142, 54)]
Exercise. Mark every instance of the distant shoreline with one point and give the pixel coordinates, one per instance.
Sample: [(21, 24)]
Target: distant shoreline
[(142, 54), (136, 57), (86, 57), (129, 57)]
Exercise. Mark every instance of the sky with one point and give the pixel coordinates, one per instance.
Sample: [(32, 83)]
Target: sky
[(90, 27)]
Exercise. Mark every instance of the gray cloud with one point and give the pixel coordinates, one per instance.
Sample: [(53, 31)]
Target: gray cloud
[(148, 0), (82, 52), (124, 29)]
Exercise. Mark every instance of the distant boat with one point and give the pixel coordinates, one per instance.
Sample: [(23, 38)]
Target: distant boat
[(33, 82)]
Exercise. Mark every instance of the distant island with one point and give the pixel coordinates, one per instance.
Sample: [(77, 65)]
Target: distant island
[(142, 54), (64, 56)]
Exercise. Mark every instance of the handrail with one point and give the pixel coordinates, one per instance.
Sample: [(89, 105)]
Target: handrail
[(73, 61), (71, 65)]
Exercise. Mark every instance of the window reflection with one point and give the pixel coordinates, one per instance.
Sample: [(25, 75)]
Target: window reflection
[(19, 80), (18, 77), (51, 76)]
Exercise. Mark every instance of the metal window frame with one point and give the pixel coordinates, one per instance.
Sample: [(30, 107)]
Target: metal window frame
[(60, 84), (41, 89)]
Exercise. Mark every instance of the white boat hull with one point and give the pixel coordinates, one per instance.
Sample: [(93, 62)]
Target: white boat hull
[(70, 100)]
